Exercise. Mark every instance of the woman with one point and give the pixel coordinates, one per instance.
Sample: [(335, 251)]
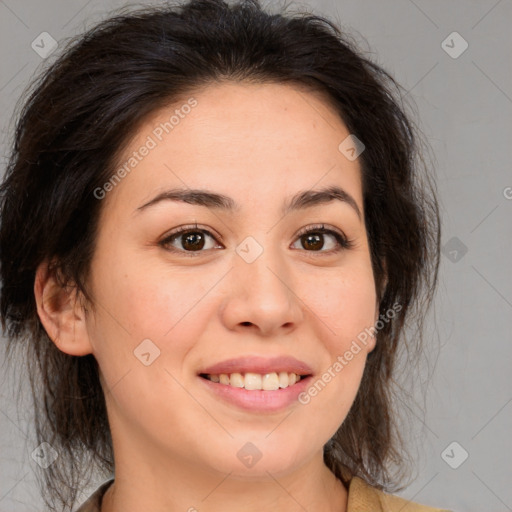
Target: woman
[(215, 225)]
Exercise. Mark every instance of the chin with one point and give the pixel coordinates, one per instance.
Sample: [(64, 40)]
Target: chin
[(257, 458)]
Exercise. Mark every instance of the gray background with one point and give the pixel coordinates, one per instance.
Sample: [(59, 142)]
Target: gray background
[(465, 107)]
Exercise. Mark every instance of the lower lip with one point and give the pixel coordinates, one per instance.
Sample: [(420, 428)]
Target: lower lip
[(259, 400)]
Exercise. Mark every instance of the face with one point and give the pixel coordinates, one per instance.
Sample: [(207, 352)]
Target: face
[(256, 275)]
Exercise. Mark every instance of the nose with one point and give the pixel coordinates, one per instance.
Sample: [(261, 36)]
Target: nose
[(261, 297)]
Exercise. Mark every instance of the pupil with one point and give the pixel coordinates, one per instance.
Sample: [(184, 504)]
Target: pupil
[(314, 241), (194, 241)]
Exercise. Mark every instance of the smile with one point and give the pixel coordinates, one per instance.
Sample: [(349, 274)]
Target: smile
[(255, 381)]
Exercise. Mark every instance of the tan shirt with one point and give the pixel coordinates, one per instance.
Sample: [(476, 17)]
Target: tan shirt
[(361, 498)]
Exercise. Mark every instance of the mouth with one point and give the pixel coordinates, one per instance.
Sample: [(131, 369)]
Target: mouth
[(260, 393), (255, 381), (257, 384)]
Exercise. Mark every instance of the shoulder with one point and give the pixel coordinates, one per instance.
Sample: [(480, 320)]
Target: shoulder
[(363, 497), (93, 503)]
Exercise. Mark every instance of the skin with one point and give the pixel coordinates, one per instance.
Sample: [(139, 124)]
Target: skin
[(175, 442)]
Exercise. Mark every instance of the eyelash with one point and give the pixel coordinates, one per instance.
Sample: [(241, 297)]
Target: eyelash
[(343, 242)]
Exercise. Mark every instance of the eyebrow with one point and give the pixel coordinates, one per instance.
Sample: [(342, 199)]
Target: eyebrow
[(300, 201)]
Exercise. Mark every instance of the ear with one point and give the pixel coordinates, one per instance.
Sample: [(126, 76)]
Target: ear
[(372, 340), (377, 311), (61, 312), (380, 293)]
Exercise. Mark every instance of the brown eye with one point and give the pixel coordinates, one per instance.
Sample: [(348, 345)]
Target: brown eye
[(322, 240), (187, 240), (193, 241), (313, 242)]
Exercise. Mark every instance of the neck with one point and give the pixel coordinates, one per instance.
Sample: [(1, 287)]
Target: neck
[(180, 485)]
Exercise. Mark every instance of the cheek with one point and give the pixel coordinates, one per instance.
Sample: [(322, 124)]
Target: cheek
[(137, 303), (346, 308), (345, 302), (147, 316)]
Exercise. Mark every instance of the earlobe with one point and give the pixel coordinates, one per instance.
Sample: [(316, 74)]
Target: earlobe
[(61, 313), (373, 338), (379, 294)]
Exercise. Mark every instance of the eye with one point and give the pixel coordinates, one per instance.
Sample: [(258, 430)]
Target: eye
[(192, 239), (313, 239), (189, 239)]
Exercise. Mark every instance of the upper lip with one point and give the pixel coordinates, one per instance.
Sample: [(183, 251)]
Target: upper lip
[(262, 365)]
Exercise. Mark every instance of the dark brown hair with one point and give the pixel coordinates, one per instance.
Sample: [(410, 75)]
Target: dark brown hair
[(77, 118)]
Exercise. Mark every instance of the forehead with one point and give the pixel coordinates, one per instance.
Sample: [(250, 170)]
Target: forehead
[(240, 139)]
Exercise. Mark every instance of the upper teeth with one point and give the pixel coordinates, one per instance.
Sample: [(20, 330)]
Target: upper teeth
[(266, 382)]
